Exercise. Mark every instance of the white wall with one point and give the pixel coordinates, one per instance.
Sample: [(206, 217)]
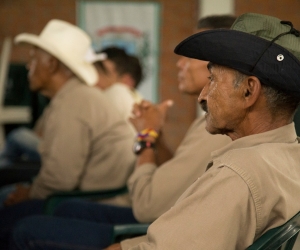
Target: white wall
[(212, 7)]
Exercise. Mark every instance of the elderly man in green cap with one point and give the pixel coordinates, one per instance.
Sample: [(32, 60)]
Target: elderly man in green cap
[(253, 183)]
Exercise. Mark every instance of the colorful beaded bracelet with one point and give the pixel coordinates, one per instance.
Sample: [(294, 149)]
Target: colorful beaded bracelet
[(146, 133)]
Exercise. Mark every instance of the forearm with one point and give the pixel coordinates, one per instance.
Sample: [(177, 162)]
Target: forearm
[(43, 187), (146, 147), (146, 156), (150, 193), (56, 174), (129, 243), (156, 156), (148, 120), (163, 152)]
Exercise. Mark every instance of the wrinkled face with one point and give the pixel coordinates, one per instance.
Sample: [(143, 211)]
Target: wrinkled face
[(107, 77), (38, 66), (193, 74), (222, 101)]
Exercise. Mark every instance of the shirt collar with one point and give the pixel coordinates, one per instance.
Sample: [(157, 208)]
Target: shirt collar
[(285, 134), (65, 89)]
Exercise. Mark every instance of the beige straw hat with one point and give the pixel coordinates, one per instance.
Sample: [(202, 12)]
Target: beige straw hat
[(69, 44)]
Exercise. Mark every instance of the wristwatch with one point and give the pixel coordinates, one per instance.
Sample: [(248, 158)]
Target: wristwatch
[(139, 146)]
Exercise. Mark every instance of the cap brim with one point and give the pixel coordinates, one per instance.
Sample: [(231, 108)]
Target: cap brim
[(225, 47), (240, 51)]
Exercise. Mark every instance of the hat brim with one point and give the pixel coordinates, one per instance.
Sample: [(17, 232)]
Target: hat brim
[(240, 51), (84, 70)]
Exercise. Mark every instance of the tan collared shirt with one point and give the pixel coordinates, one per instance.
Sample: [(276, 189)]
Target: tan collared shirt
[(154, 190), (252, 186), (123, 98), (86, 143)]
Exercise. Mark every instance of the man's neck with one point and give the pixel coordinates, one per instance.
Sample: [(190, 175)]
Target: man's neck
[(54, 87), (256, 126)]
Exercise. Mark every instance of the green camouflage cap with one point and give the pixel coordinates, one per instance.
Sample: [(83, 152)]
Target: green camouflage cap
[(268, 27)]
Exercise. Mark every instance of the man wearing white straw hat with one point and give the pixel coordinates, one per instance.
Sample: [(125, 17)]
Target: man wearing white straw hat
[(84, 136)]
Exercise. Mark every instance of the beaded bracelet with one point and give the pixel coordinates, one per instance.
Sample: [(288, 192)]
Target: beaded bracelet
[(146, 133)]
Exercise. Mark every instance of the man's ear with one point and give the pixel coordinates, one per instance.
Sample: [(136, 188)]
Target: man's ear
[(252, 90)]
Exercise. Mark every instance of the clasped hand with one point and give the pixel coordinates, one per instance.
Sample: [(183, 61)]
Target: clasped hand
[(149, 115)]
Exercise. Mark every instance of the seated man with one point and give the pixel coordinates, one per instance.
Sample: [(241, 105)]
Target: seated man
[(79, 142), (153, 188), (253, 183), (119, 76), (85, 136)]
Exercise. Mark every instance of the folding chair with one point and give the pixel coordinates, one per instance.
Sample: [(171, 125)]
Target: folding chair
[(55, 199), (120, 232), (279, 238)]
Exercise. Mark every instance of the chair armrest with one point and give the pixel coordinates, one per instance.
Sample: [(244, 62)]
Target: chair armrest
[(121, 232), (276, 237), (53, 200)]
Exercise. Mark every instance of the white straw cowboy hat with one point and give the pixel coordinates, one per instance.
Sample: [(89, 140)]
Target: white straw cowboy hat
[(69, 44)]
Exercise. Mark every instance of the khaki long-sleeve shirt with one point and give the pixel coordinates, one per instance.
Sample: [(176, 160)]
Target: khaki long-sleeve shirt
[(154, 190), (86, 144), (123, 97), (252, 186)]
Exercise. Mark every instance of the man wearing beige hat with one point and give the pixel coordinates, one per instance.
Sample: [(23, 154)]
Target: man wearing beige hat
[(83, 136)]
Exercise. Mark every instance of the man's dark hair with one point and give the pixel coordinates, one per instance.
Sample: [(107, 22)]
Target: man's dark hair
[(134, 68), (124, 63), (216, 22), (279, 101)]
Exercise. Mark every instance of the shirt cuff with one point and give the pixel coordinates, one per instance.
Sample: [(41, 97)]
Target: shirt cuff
[(146, 168), (127, 244)]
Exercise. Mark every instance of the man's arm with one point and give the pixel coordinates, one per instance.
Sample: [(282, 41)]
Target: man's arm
[(216, 212), (116, 246), (149, 116), (154, 188), (64, 149)]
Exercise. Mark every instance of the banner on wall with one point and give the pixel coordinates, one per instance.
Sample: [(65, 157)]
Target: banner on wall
[(133, 26)]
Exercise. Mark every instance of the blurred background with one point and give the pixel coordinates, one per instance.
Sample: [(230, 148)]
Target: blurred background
[(170, 22)]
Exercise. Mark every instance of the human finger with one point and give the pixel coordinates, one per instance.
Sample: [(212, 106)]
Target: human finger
[(165, 105)]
